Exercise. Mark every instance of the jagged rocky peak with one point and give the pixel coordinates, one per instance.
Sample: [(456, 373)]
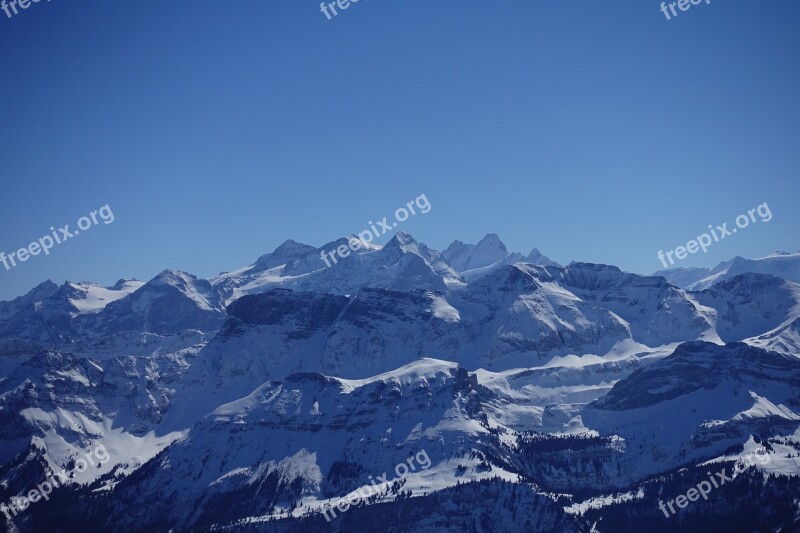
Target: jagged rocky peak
[(196, 289), (403, 241), (406, 243), (492, 241), (37, 294), (538, 258), (43, 290), (488, 251), (175, 278), (291, 248)]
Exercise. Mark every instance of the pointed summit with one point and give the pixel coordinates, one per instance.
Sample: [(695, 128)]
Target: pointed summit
[(492, 242), (403, 241), (41, 292), (538, 258), (172, 277), (291, 248), (171, 302)]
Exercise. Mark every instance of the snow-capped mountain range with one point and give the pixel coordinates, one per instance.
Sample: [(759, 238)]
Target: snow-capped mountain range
[(780, 264), (259, 398)]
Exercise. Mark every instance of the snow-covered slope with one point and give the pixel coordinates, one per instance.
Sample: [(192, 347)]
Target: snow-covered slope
[(170, 303), (656, 312), (325, 438), (784, 339), (751, 304), (696, 403), (293, 447), (78, 312), (77, 298), (62, 403), (507, 319), (92, 298)]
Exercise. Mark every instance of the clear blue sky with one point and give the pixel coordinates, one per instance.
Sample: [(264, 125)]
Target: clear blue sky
[(595, 131)]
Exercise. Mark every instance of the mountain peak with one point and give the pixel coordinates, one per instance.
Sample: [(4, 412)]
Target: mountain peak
[(492, 241), (487, 252), (171, 302), (538, 258), (39, 292), (172, 277), (45, 285), (404, 237), (402, 240), (291, 248)]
